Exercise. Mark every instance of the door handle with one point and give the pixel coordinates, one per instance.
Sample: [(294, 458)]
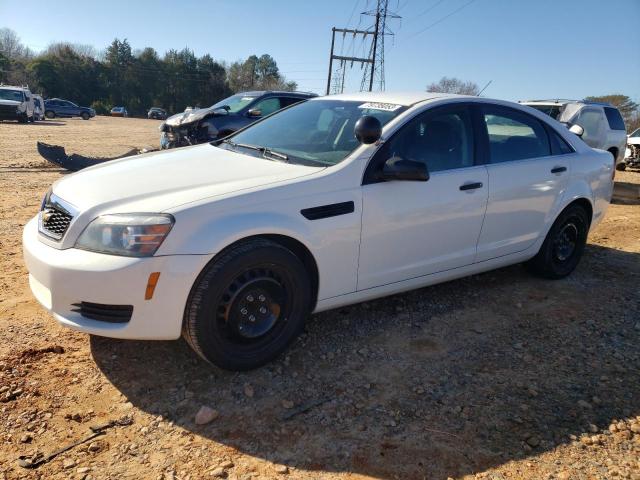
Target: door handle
[(558, 169), (471, 186)]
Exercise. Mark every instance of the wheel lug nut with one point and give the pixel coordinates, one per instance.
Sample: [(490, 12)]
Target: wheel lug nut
[(262, 298), (243, 311), (249, 298), (252, 318), (263, 310)]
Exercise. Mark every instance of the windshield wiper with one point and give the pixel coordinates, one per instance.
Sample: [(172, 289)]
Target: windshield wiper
[(264, 150)]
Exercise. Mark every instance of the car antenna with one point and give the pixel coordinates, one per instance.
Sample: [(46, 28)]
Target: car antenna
[(484, 88)]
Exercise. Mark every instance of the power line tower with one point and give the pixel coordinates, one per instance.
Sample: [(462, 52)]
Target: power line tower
[(374, 71), (373, 65)]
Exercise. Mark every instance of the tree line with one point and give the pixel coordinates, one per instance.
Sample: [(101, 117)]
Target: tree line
[(137, 79)]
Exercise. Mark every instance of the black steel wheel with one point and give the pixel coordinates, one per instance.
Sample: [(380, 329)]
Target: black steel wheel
[(564, 244), (248, 305)]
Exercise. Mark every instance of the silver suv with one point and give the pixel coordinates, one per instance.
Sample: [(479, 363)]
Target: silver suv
[(602, 123)]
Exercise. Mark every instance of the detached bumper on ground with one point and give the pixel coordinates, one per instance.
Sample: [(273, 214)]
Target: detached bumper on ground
[(61, 278)]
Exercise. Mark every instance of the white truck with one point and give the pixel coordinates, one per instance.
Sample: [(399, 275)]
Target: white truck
[(602, 123), (16, 103)]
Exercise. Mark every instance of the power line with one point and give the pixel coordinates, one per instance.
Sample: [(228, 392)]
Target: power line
[(441, 19)]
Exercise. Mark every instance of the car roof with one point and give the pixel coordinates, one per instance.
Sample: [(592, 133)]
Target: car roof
[(398, 98), (258, 93)]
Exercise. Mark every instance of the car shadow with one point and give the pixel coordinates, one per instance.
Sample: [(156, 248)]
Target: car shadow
[(434, 383)]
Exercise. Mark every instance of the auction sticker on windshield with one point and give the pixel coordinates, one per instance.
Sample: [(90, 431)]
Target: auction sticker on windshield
[(388, 107)]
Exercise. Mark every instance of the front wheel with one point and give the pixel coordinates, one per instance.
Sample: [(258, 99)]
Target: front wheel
[(564, 244), (50, 114), (248, 305), (85, 116)]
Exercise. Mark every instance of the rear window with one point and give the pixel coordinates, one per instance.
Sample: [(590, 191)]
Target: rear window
[(553, 111), (614, 118)]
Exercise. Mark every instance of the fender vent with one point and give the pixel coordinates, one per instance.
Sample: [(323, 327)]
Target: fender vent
[(104, 313), (326, 211)]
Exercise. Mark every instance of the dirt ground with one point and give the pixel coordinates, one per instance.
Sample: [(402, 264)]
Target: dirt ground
[(496, 376)]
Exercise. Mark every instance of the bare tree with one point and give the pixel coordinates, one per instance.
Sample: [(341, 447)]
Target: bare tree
[(10, 44), (454, 85)]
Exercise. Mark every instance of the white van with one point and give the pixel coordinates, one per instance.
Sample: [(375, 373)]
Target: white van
[(38, 107), (16, 103)]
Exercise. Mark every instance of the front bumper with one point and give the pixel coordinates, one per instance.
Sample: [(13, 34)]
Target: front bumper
[(60, 278)]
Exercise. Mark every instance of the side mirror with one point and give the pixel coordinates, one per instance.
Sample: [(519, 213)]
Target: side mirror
[(254, 113), (577, 129), (397, 168), (368, 129)]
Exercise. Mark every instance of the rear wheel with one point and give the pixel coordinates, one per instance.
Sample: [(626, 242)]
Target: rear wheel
[(564, 245), (50, 114), (85, 116), (248, 305)]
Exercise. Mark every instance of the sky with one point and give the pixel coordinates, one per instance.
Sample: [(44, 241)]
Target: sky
[(528, 49)]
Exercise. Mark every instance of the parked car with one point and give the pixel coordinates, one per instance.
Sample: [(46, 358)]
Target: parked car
[(602, 123), (632, 152), (201, 125), (119, 112), (331, 202), (38, 111), (57, 107), (16, 103), (157, 113)]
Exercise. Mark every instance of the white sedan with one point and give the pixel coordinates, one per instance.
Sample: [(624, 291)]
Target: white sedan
[(330, 202)]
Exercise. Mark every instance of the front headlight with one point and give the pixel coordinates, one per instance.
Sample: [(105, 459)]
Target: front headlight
[(130, 235)]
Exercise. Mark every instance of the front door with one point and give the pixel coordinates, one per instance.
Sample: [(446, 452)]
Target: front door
[(414, 228)]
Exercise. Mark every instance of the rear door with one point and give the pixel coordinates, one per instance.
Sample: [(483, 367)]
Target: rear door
[(528, 172)]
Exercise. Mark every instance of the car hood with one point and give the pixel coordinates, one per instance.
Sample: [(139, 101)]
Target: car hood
[(10, 103), (191, 116), (158, 181), (633, 140)]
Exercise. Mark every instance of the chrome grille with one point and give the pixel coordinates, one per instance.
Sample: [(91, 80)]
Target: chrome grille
[(55, 222), (55, 217)]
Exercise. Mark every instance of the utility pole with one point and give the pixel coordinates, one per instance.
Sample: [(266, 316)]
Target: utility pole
[(345, 59), (375, 45)]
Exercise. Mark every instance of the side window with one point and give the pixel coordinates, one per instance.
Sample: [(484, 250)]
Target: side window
[(614, 118), (514, 135), (441, 140), (286, 101), (559, 145), (268, 106), (591, 120)]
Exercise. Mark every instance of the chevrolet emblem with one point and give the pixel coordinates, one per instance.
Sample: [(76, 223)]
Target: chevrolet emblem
[(46, 215)]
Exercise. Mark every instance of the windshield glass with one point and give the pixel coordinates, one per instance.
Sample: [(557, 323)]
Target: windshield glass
[(234, 102), (552, 110), (15, 95), (636, 133), (317, 132)]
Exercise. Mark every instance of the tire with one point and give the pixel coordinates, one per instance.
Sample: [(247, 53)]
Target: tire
[(85, 116), (50, 114), (563, 246), (247, 305), (23, 119), (621, 166)]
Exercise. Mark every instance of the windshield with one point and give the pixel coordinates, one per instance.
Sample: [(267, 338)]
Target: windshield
[(552, 110), (15, 95), (234, 102), (636, 133), (317, 132)]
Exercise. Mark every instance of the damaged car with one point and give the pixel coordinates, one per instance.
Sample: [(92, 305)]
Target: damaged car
[(201, 125)]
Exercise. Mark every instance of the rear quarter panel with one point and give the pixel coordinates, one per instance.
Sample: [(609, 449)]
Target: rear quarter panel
[(592, 178)]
